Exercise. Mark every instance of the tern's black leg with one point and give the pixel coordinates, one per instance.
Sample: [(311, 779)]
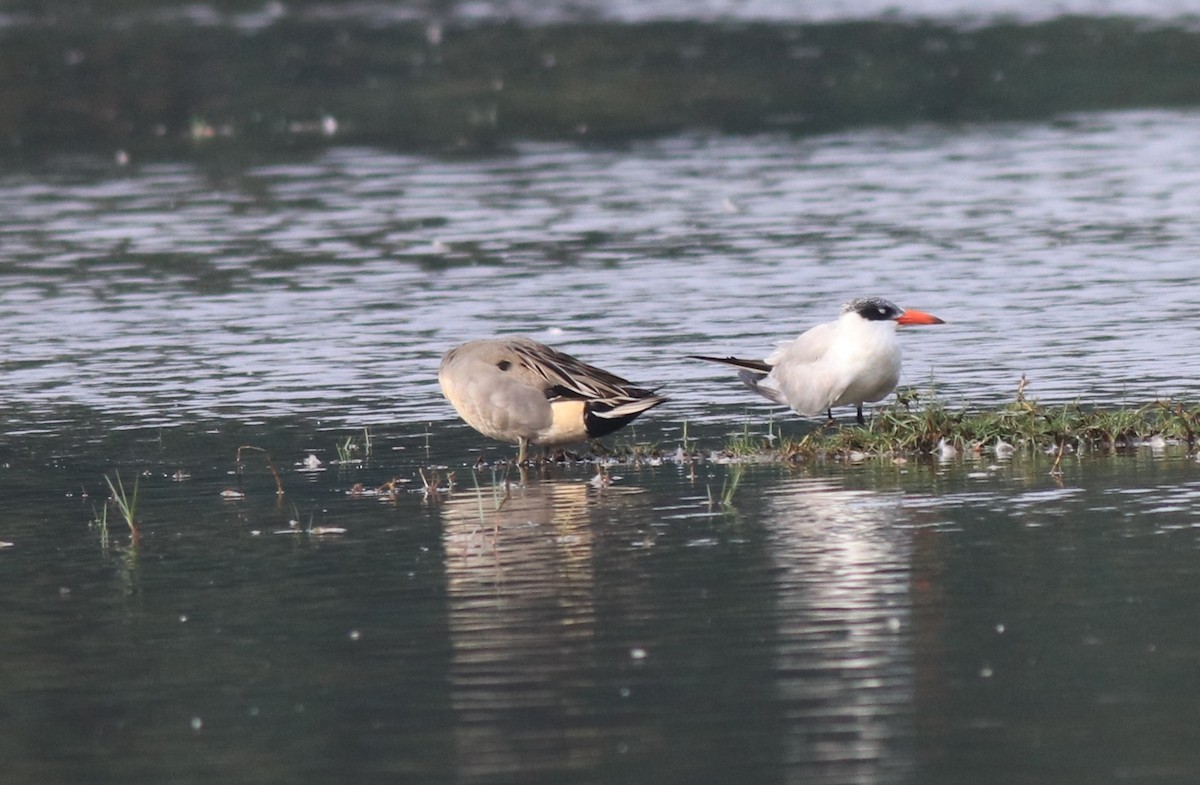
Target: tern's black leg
[(860, 419)]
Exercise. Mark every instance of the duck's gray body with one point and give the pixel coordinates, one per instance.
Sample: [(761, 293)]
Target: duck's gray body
[(515, 389)]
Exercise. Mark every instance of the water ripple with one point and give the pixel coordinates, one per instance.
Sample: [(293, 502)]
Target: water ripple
[(331, 286)]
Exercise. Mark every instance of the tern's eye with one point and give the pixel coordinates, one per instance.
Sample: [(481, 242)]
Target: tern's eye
[(882, 311), (504, 365)]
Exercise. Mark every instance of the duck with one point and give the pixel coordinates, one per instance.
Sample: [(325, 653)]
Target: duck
[(515, 389)]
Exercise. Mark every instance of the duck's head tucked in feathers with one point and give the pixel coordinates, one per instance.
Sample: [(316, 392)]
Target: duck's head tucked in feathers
[(518, 390)]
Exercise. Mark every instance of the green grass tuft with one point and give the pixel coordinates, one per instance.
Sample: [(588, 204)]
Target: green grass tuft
[(126, 503), (729, 487)]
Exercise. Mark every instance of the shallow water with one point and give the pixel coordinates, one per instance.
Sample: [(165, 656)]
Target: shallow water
[(885, 623), (881, 623)]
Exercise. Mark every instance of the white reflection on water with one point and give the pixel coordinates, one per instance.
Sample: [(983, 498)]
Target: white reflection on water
[(846, 673), (330, 287)]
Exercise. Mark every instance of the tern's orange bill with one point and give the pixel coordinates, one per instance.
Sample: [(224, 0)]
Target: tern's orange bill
[(917, 317)]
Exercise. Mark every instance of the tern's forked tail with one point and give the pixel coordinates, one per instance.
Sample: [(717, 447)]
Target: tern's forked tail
[(751, 372), (757, 366)]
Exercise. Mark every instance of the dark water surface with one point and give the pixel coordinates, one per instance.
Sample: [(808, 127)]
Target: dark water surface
[(163, 83), (873, 623), (284, 266)]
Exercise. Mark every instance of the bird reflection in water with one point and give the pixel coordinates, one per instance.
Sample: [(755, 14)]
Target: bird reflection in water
[(844, 660), (521, 587)]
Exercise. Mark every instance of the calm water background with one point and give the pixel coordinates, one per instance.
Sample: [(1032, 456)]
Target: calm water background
[(934, 622)]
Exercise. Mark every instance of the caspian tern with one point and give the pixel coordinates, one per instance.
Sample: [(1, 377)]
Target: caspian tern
[(854, 359), (517, 390)]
